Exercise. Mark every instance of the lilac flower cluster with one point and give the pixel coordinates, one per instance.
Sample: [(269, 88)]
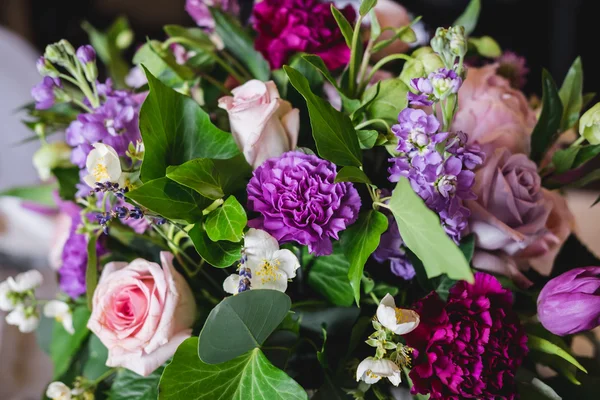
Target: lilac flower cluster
[(439, 167), (437, 86), (115, 123), (44, 93)]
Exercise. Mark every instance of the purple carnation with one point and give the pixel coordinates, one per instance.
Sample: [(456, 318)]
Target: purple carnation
[(299, 201), (288, 27), (469, 347), (43, 92), (199, 11)]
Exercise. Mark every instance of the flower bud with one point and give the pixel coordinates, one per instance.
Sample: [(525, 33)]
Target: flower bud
[(124, 39), (86, 54), (67, 47), (589, 125), (53, 53), (50, 156), (396, 319), (438, 42), (570, 303), (457, 40), (58, 391), (45, 68)]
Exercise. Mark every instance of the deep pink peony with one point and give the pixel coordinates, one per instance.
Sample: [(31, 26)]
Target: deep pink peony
[(288, 27), (469, 347)]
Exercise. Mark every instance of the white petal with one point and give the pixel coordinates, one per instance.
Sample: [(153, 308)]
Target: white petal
[(388, 301), (288, 262), (26, 281), (58, 390), (6, 304), (230, 285), (407, 321), (384, 368), (396, 378), (67, 322), (56, 308), (387, 316), (363, 367), (258, 244), (269, 276)]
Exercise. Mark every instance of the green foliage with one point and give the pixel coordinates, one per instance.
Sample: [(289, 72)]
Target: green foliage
[(574, 157), (249, 376), (91, 271), (219, 254), (571, 95), (359, 241), (67, 179), (333, 131), (241, 323), (65, 346), (486, 46), (352, 174), (328, 275), (175, 130), (40, 194), (366, 6), (344, 25), (546, 346), (162, 64), (199, 174), (469, 17), (421, 231), (131, 386), (390, 101), (546, 129), (367, 138), (227, 222), (96, 356)]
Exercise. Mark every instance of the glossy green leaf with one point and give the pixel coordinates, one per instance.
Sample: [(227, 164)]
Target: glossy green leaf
[(546, 129), (333, 131), (546, 346), (195, 38), (359, 241), (563, 160), (249, 376), (328, 276), (40, 194), (241, 323), (571, 95), (220, 254), (367, 138), (170, 199), (67, 179), (199, 174), (95, 362), (130, 386), (375, 26), (587, 99), (233, 173), (239, 43), (467, 246), (227, 222), (175, 130), (91, 271), (366, 6), (344, 25), (486, 46), (65, 346), (423, 234), (352, 174), (469, 17), (390, 101), (162, 64)]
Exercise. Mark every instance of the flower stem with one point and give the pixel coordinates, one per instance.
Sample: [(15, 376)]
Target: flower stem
[(373, 121), (102, 377), (353, 55), (380, 64), (578, 142), (375, 299)]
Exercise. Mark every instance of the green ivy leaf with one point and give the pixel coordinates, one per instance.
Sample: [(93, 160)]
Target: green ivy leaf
[(241, 323), (423, 234), (344, 25), (91, 271), (175, 130), (239, 43), (170, 199), (130, 386), (329, 276), (40, 194), (333, 131), (199, 174), (359, 241), (469, 17), (65, 346), (218, 254), (389, 102), (548, 124), (352, 174), (571, 95), (227, 222), (249, 376)]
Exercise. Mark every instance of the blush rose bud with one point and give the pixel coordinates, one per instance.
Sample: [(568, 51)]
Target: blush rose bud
[(589, 125), (570, 303)]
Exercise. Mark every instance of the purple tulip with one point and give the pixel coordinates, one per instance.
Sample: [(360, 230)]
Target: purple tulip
[(570, 303)]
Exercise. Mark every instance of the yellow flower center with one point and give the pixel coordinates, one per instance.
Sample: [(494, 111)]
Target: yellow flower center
[(370, 374), (100, 172), (401, 317), (267, 271)]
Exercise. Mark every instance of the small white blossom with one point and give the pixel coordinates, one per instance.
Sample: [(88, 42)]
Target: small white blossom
[(6, 300), (371, 370), (26, 281), (58, 391), (399, 321), (103, 165), (25, 318), (268, 267), (60, 311)]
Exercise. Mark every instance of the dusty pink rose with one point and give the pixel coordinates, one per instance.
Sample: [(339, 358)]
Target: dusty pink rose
[(493, 113), (142, 313), (509, 214), (263, 124)]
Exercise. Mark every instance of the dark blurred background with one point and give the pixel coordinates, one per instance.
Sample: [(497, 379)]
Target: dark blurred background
[(549, 33)]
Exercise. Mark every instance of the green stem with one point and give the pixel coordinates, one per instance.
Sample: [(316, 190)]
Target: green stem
[(216, 83), (102, 377), (380, 64), (237, 65), (578, 142), (373, 121), (375, 299), (363, 67), (229, 69), (68, 78), (353, 55), (80, 104)]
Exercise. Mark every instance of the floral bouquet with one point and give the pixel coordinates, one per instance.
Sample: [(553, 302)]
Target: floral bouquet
[(310, 204)]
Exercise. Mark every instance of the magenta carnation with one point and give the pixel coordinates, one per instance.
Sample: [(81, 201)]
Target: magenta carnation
[(299, 201), (288, 27), (469, 347)]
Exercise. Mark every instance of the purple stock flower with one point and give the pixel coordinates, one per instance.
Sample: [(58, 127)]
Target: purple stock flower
[(514, 68), (299, 201), (570, 303), (43, 92), (86, 54), (288, 27), (444, 82), (199, 11)]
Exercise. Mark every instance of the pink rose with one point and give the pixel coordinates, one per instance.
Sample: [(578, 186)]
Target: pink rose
[(492, 113), (509, 214), (142, 313), (391, 15), (263, 124)]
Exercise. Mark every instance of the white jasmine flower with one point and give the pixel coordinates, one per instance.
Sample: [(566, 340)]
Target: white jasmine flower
[(371, 370), (58, 391), (6, 300), (264, 265), (24, 318), (60, 311), (26, 281), (103, 165), (399, 321)]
